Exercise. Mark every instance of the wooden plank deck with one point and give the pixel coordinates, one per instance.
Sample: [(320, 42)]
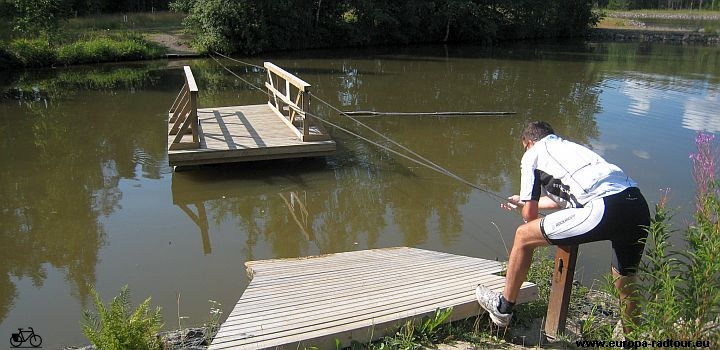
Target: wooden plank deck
[(244, 133), (314, 301)]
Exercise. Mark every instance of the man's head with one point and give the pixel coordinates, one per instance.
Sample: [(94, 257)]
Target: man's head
[(534, 131)]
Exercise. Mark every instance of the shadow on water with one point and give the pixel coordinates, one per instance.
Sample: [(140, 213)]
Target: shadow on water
[(294, 173)]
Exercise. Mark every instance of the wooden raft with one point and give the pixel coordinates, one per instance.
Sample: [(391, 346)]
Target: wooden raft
[(282, 128), (245, 133), (361, 295)]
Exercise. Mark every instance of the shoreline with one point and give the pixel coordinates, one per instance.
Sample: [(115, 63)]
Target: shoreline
[(650, 35), (594, 305)]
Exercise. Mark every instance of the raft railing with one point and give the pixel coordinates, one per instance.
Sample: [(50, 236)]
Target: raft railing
[(289, 98), (183, 115)]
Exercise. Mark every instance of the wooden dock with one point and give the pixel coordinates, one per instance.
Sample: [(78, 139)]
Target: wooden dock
[(282, 128), (361, 295)]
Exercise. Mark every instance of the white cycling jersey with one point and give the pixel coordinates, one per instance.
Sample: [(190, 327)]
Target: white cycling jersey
[(569, 173)]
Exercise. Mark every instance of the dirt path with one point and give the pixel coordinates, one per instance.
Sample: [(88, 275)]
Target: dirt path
[(177, 44)]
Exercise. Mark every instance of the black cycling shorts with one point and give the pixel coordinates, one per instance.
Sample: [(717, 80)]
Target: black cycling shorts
[(620, 218)]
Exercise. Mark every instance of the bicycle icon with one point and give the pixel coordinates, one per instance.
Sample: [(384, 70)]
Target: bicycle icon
[(22, 336)]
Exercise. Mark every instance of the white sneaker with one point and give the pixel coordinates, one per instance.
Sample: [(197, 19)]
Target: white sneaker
[(490, 301)]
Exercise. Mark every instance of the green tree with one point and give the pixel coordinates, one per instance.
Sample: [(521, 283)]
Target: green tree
[(224, 25), (34, 18), (251, 26)]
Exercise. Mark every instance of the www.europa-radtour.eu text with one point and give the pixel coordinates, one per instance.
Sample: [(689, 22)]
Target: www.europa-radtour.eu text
[(635, 344)]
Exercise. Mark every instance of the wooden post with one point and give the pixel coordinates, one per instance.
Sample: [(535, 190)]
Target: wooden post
[(306, 109), (565, 258), (194, 116)]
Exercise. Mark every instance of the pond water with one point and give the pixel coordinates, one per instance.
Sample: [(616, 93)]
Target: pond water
[(88, 196)]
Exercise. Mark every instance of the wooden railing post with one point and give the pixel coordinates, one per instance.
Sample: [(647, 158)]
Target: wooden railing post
[(305, 105), (193, 114), (183, 118), (562, 279)]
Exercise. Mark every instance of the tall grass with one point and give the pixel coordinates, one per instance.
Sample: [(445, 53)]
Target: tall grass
[(91, 48), (31, 52), (679, 296), (104, 48)]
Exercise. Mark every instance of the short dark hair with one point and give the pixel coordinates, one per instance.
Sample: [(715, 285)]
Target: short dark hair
[(534, 131)]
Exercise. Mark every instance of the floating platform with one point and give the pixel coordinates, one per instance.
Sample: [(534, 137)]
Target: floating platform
[(354, 296), (284, 127), (244, 133)]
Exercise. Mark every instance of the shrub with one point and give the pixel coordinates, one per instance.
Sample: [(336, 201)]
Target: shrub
[(7, 59), (32, 52), (679, 294), (116, 327)]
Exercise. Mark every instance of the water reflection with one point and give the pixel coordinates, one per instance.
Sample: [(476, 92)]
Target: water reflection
[(700, 112), (660, 94), (63, 171)]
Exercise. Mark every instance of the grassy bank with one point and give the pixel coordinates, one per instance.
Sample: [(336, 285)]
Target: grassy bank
[(93, 48), (101, 38)]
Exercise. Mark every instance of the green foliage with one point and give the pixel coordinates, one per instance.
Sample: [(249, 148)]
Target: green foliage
[(35, 18), (592, 328), (123, 47), (413, 334), (618, 5), (225, 25), (680, 287), (94, 48), (116, 327), (32, 52), (212, 326), (252, 26)]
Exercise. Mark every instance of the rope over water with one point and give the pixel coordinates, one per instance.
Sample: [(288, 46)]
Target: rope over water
[(413, 157), (440, 114)]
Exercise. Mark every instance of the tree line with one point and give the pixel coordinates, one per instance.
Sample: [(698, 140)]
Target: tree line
[(253, 26)]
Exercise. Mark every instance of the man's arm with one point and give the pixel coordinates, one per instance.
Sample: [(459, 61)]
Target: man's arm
[(530, 208)]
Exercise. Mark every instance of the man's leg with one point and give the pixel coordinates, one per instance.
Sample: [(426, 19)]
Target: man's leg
[(527, 237), (628, 305)]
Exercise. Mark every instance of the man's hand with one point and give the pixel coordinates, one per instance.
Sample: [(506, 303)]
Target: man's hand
[(513, 203)]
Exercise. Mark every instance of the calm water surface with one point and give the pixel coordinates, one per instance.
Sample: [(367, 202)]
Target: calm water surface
[(88, 197)]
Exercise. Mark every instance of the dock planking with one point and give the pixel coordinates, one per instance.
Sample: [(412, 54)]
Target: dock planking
[(316, 301), (244, 133)]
